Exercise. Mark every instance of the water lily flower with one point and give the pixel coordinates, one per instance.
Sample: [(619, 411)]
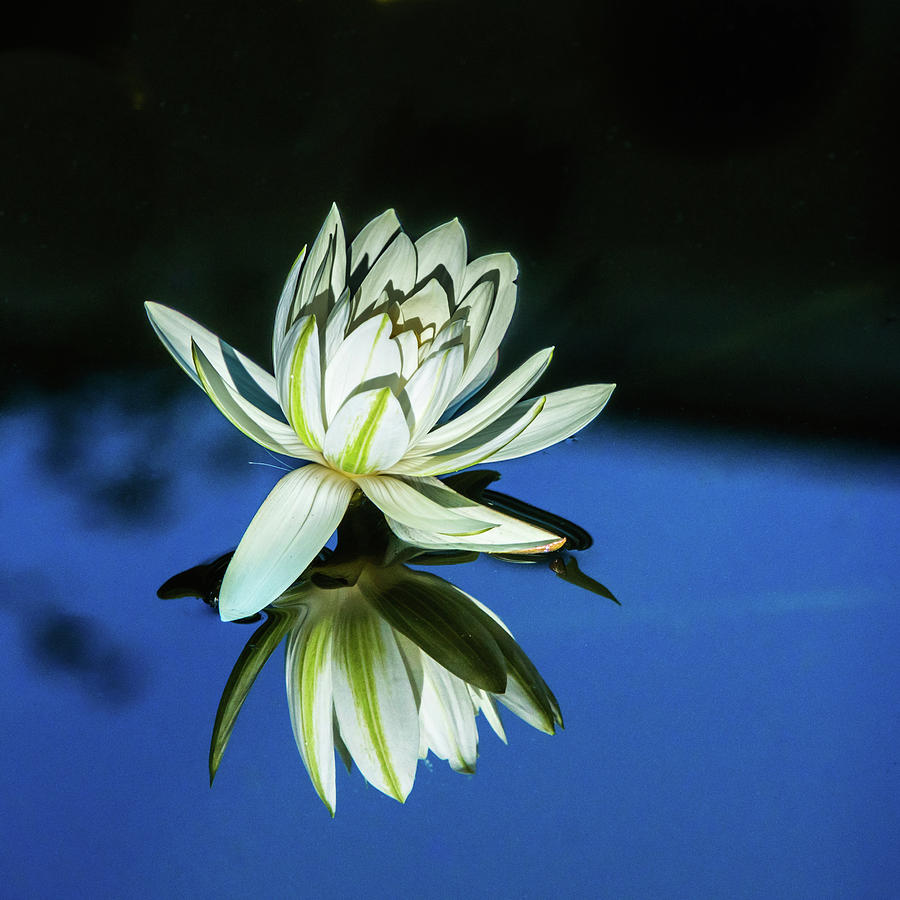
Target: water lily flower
[(375, 348)]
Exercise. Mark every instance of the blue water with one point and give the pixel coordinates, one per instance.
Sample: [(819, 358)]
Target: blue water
[(731, 730)]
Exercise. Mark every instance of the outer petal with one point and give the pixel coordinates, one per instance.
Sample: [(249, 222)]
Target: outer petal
[(450, 514), (500, 399), (509, 532), (486, 703), (564, 413), (177, 331), (300, 385), (307, 671), (289, 529), (368, 433), (252, 421), (374, 701)]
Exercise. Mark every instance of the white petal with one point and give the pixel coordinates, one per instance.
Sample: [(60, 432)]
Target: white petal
[(300, 384), (483, 446), (325, 269), (447, 717), (336, 327), (499, 269), (474, 386), (395, 269), (289, 529), (486, 703), (284, 313), (431, 387), (516, 699), (564, 413), (374, 700), (370, 243), (176, 331), (497, 402), (443, 246), (368, 434), (408, 344), (252, 421), (509, 533), (367, 353), (307, 669), (429, 305), (446, 513)]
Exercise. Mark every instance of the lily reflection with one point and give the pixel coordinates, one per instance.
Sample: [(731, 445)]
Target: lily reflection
[(384, 663)]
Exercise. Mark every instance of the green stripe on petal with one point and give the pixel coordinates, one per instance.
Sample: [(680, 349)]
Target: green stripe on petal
[(245, 416), (304, 393), (369, 433), (374, 701)]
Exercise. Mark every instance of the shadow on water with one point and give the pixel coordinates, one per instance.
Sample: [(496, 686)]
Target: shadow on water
[(69, 647)]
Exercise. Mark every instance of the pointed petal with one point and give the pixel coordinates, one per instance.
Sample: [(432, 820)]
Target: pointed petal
[(482, 446), (429, 305), (449, 514), (290, 528), (508, 531), (325, 269), (527, 694), (474, 386), (366, 354), (440, 619), (300, 384), (447, 718), (500, 269), (176, 331), (253, 657), (485, 702), (564, 413), (369, 433), (394, 269), (256, 424), (285, 304), (431, 387), (308, 679), (369, 244), (336, 327), (497, 402), (374, 700), (443, 246)]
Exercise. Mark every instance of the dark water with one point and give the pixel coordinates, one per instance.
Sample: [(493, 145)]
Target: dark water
[(731, 730)]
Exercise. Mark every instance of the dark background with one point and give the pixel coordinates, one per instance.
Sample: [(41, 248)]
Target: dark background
[(701, 195)]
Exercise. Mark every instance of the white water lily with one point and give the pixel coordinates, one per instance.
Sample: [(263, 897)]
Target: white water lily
[(374, 348), (359, 678)]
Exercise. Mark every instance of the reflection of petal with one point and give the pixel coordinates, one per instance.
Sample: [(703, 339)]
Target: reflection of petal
[(440, 619), (308, 668), (290, 528), (253, 657), (374, 702), (446, 718)]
